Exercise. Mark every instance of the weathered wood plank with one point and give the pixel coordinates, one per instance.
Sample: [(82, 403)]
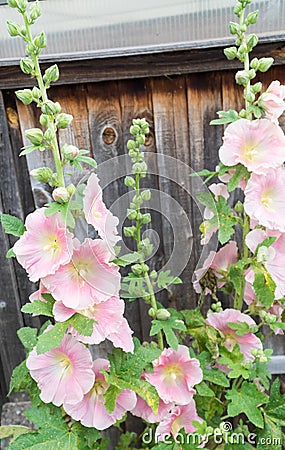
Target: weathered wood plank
[(137, 66)]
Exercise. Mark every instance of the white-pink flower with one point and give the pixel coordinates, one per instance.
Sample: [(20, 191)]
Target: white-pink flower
[(219, 263), (91, 411), (273, 257), (109, 323), (89, 277), (45, 245), (178, 418), (96, 212), (246, 342), (257, 144), (175, 374), (272, 100), (146, 413), (265, 199), (64, 374)]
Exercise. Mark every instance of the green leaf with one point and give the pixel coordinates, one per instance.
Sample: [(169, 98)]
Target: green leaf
[(28, 337), (87, 160), (28, 149), (51, 338), (204, 390), (20, 379), (127, 259), (111, 397), (39, 308), (226, 221), (225, 117), (53, 432), (167, 326), (52, 208), (82, 324), (12, 430), (266, 243), (276, 406), (207, 199), (12, 225), (247, 400), (215, 376), (203, 173), (263, 285), (10, 253), (240, 328), (240, 173), (271, 437), (165, 279), (193, 318)]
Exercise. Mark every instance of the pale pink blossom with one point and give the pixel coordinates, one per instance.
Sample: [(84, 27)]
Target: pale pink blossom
[(272, 100), (91, 411), (175, 374), (219, 262), (218, 189), (89, 277), (45, 245), (146, 413), (258, 144), (96, 212), (109, 322), (265, 200), (178, 418), (37, 295), (246, 342), (64, 374), (273, 257)]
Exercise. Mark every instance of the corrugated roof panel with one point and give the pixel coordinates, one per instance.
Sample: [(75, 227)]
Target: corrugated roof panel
[(119, 27)]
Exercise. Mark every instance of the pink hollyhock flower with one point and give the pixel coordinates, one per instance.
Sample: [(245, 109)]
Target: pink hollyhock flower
[(246, 343), (272, 100), (37, 295), (218, 189), (178, 418), (175, 374), (146, 413), (63, 374), (219, 263), (265, 200), (45, 245), (110, 323), (89, 278), (96, 212), (273, 257), (247, 142), (91, 411)]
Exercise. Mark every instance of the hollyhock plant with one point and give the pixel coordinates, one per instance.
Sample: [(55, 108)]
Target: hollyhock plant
[(218, 189), (247, 142), (146, 413), (219, 263), (37, 295), (63, 374), (246, 342), (272, 101), (96, 212), (45, 246), (175, 374), (91, 411), (265, 200), (178, 418), (109, 322), (273, 258), (89, 278)]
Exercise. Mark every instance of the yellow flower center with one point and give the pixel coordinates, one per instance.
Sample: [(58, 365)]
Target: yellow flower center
[(65, 362), (100, 387), (266, 199), (249, 152), (173, 373), (52, 245), (96, 214)]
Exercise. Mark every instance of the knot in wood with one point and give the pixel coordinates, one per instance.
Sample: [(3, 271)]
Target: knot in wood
[(109, 135)]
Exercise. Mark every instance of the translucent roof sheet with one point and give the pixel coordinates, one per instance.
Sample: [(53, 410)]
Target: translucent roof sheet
[(81, 28)]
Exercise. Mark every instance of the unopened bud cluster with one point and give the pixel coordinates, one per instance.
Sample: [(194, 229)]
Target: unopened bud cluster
[(259, 355), (267, 317), (217, 307)]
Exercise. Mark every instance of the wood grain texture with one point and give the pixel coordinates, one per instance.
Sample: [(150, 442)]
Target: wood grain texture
[(138, 66)]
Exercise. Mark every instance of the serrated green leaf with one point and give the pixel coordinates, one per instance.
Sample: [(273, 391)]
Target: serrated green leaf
[(111, 397), (168, 326), (247, 400), (240, 173), (225, 117), (52, 208), (266, 243), (12, 431), (193, 318), (82, 324), (207, 199), (20, 379), (165, 279), (51, 338), (12, 225), (87, 160), (264, 286), (28, 337), (226, 220), (38, 307), (127, 259), (276, 406), (204, 390), (215, 376)]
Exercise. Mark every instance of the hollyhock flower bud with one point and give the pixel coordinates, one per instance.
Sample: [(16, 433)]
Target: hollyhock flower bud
[(69, 152), (60, 195), (27, 65), (35, 135), (63, 121), (42, 174), (25, 96), (163, 314)]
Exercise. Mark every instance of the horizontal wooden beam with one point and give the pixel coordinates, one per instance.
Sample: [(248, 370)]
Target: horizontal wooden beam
[(175, 62)]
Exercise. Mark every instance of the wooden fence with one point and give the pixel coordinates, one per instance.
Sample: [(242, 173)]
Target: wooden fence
[(178, 106)]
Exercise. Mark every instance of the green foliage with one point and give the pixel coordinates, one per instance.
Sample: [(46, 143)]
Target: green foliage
[(263, 285), (215, 376), (12, 225), (51, 338), (247, 400), (204, 390), (125, 373), (127, 259), (225, 117), (233, 360), (12, 431), (240, 173), (193, 318), (165, 279), (20, 379), (10, 253), (64, 210), (226, 220), (127, 441), (38, 307), (28, 337), (167, 326)]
